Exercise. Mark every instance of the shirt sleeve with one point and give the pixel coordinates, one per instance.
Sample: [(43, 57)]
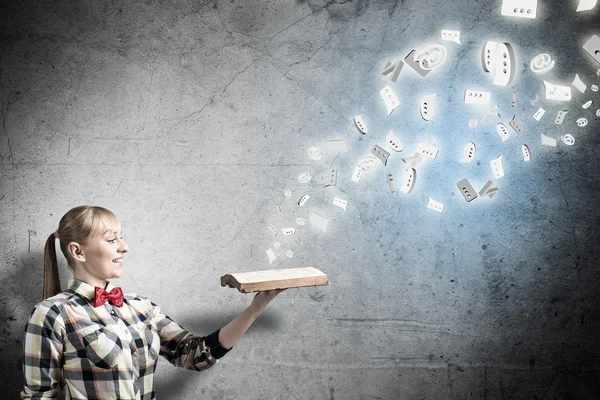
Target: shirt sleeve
[(42, 352), (212, 341), (180, 347)]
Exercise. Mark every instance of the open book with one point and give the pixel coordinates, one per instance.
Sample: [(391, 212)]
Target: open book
[(257, 281)]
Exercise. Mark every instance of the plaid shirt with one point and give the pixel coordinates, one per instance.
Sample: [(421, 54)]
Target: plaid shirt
[(105, 352)]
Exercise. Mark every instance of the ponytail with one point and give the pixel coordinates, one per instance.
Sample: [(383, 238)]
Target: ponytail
[(51, 278)]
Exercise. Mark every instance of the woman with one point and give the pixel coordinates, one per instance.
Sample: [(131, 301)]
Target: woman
[(93, 341)]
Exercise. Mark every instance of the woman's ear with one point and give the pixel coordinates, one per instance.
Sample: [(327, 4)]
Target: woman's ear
[(76, 251)]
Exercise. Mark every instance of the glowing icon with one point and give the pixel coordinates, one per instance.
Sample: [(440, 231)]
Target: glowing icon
[(519, 8), (542, 63)]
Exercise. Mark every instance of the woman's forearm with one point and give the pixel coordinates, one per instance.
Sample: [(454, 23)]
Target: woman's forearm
[(233, 331)]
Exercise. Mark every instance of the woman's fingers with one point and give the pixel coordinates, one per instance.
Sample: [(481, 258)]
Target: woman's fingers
[(273, 293), (267, 295)]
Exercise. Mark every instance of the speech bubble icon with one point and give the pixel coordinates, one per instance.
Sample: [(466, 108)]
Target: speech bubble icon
[(468, 153), (451, 36)]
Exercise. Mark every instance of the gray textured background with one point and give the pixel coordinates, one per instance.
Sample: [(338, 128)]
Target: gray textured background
[(190, 119)]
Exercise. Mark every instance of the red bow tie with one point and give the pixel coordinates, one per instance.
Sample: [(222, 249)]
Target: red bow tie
[(115, 296)]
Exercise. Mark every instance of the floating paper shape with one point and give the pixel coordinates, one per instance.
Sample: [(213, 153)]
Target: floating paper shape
[(393, 142), (502, 131), (488, 56), (304, 177), (477, 97), (472, 123), (497, 169), (389, 98), (327, 177), (598, 113), (289, 253), (393, 69), (271, 255), (468, 153), (300, 221), (556, 92), (427, 58), (368, 163), (504, 70), (315, 153), (519, 8), (542, 63), (303, 200), (287, 194), (578, 84), (338, 145), (517, 125), (466, 189), (594, 88), (451, 36), (319, 221), (514, 100), (390, 181), (526, 152), (581, 122), (535, 101), (432, 142), (585, 5), (499, 59), (431, 56), (288, 231), (587, 104), (380, 153), (414, 160), (539, 114), (271, 228), (428, 107), (492, 112), (427, 150), (560, 117), (592, 47), (357, 173), (277, 245), (488, 190), (434, 205), (409, 180), (341, 203), (568, 139), (360, 124), (548, 141)]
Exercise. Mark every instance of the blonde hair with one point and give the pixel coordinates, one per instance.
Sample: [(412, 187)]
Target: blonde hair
[(77, 225)]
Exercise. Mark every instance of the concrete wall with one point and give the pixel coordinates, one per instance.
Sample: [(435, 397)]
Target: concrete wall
[(190, 119)]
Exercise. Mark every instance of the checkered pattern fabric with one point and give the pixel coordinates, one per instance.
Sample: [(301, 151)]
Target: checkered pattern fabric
[(106, 352)]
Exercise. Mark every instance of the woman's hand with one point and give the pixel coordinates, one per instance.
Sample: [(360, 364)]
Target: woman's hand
[(262, 299)]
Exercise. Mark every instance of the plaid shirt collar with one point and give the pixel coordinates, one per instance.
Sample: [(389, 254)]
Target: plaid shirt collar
[(85, 290)]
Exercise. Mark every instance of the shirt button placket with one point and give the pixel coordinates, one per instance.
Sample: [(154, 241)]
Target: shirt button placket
[(111, 309), (136, 370)]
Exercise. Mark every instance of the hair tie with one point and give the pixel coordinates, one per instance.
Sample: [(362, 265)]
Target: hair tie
[(56, 234)]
